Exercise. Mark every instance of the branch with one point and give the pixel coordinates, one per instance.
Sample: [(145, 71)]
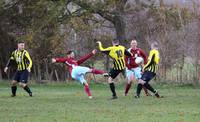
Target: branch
[(93, 9)]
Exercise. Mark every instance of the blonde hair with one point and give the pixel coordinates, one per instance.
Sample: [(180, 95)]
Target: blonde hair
[(154, 45)]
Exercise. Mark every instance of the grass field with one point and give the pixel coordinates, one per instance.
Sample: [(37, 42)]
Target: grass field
[(68, 103)]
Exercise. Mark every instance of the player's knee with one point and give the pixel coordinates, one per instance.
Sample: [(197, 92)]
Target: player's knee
[(13, 83), (130, 81), (91, 70), (85, 84), (141, 82), (22, 85), (131, 78), (110, 80)]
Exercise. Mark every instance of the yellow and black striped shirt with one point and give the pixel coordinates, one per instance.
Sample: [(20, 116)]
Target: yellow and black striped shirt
[(22, 59), (153, 60), (117, 53)]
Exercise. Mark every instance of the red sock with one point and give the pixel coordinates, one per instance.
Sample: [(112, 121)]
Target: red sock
[(87, 90), (96, 71), (128, 86), (145, 90)]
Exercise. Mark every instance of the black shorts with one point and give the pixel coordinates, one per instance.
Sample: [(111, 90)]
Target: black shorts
[(21, 76), (114, 73), (147, 76)]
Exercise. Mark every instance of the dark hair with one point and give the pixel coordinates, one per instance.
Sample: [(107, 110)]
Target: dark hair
[(115, 41), (69, 52)]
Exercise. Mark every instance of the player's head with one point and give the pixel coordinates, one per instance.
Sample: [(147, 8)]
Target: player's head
[(21, 45), (154, 45), (70, 54), (115, 42), (133, 43)]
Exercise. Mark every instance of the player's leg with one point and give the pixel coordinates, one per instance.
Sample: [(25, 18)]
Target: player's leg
[(139, 88), (96, 71), (82, 80), (112, 75), (150, 88), (145, 91), (78, 74), (141, 82), (84, 70), (146, 77), (14, 83), (23, 82), (112, 88), (130, 78), (138, 75), (87, 90), (80, 70), (13, 88)]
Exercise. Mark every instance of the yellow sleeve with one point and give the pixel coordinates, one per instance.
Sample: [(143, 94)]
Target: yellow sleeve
[(29, 59), (149, 59), (12, 57), (153, 57), (103, 49), (157, 57)]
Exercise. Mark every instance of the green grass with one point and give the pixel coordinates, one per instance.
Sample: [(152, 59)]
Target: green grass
[(68, 103)]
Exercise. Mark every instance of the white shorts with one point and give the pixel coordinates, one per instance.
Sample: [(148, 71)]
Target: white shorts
[(78, 73), (134, 72)]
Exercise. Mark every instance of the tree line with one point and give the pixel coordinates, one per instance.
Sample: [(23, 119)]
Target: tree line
[(50, 28)]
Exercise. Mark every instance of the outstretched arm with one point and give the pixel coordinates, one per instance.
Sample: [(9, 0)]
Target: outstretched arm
[(104, 50), (59, 60), (127, 53), (80, 61)]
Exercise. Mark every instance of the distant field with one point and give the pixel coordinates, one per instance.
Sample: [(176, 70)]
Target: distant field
[(68, 103)]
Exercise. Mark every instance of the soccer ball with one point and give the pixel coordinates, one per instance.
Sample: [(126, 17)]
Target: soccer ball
[(139, 60)]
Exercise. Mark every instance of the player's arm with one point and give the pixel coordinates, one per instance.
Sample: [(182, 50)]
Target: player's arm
[(104, 50), (59, 60), (151, 59), (10, 61), (144, 56), (157, 57), (29, 60), (127, 53), (86, 57)]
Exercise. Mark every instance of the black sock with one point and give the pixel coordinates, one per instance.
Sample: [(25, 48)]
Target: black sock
[(14, 89), (139, 88), (27, 89), (149, 87), (112, 88)]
